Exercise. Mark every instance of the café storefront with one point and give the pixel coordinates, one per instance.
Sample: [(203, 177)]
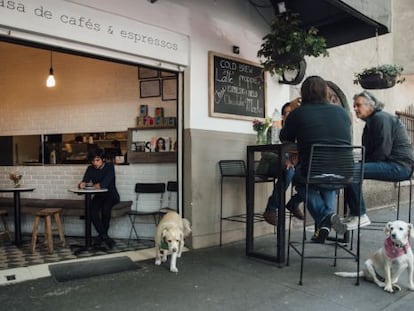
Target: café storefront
[(109, 61), (108, 68)]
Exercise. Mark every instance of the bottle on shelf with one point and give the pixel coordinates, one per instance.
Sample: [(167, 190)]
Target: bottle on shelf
[(276, 126), (53, 155)]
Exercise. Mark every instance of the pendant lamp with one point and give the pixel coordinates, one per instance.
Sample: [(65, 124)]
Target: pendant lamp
[(50, 82)]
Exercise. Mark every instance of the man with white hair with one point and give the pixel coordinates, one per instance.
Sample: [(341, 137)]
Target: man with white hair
[(388, 152)]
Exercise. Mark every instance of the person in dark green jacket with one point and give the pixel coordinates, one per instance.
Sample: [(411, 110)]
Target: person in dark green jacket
[(317, 121)]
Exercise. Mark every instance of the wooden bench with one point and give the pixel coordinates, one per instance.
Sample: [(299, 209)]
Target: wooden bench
[(69, 207)]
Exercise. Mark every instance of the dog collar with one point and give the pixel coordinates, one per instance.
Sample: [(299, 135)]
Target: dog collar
[(393, 250), (164, 245)]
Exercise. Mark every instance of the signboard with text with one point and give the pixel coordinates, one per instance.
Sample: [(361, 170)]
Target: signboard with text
[(237, 88), (74, 22)]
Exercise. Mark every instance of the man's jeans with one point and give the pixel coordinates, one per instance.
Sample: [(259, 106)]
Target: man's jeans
[(385, 171), (321, 203), (273, 201)]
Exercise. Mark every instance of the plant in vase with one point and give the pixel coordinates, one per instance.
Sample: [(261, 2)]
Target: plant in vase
[(261, 128), (16, 179), (285, 46)]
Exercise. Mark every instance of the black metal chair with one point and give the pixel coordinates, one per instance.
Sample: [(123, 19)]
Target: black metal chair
[(236, 169), (407, 119), (156, 192), (331, 167), (171, 202), (3, 217)]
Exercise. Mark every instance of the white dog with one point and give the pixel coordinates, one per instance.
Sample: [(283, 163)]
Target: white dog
[(169, 238), (386, 265)]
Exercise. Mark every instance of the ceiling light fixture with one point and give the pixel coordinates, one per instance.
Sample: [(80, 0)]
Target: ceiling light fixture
[(50, 82)]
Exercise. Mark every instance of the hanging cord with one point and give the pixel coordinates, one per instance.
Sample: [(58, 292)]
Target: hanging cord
[(375, 58), (377, 46)]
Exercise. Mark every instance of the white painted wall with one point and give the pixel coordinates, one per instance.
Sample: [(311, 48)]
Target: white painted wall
[(403, 27), (211, 25)]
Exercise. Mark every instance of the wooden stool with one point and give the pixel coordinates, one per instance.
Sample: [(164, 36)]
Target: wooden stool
[(47, 214), (3, 214)]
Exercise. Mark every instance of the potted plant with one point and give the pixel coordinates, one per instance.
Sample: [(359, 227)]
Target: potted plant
[(379, 77), (287, 44)]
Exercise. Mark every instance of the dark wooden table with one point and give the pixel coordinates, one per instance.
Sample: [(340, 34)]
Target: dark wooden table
[(280, 150), (17, 210), (88, 196)]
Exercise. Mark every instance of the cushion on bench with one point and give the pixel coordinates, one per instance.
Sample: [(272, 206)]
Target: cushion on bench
[(6, 202), (69, 207)]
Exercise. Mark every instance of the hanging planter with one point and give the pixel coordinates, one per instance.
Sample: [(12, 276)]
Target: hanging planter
[(294, 76), (380, 77), (285, 47)]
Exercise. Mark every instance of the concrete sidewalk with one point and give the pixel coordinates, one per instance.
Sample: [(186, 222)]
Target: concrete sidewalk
[(218, 279)]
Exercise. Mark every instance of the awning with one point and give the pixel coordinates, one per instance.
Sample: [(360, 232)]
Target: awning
[(337, 21)]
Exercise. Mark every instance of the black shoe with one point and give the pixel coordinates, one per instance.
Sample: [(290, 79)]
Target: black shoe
[(98, 241), (109, 242), (295, 210), (270, 217), (320, 235)]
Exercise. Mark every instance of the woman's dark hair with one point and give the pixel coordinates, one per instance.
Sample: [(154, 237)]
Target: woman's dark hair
[(314, 90), (96, 152), (284, 107), (163, 144)]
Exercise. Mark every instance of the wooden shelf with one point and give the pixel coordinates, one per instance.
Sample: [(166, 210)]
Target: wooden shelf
[(152, 128), (149, 157), (109, 140), (152, 157)]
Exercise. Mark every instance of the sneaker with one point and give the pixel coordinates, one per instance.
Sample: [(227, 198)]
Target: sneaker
[(334, 221), (338, 226), (320, 235), (352, 224), (295, 210), (270, 217)]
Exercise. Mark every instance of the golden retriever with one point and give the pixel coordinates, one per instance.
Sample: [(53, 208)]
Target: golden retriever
[(169, 238), (386, 265)]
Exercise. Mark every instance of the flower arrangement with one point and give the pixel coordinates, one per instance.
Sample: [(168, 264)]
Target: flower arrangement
[(261, 127), (15, 178)]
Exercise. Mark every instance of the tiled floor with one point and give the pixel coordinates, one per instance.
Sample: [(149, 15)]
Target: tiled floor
[(14, 257)]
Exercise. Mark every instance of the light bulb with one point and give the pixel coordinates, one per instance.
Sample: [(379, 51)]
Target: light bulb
[(50, 82)]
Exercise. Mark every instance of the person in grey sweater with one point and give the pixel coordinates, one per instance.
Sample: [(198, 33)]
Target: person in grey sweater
[(388, 152)]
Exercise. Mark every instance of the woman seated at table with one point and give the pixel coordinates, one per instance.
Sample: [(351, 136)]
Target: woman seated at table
[(101, 175)]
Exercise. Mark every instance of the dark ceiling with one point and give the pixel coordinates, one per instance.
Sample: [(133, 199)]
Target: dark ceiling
[(338, 22)]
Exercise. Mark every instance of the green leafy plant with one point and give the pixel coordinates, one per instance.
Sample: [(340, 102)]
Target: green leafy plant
[(392, 72), (287, 44)]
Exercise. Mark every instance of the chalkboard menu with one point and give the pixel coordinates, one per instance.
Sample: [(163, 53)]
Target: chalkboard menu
[(236, 88)]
